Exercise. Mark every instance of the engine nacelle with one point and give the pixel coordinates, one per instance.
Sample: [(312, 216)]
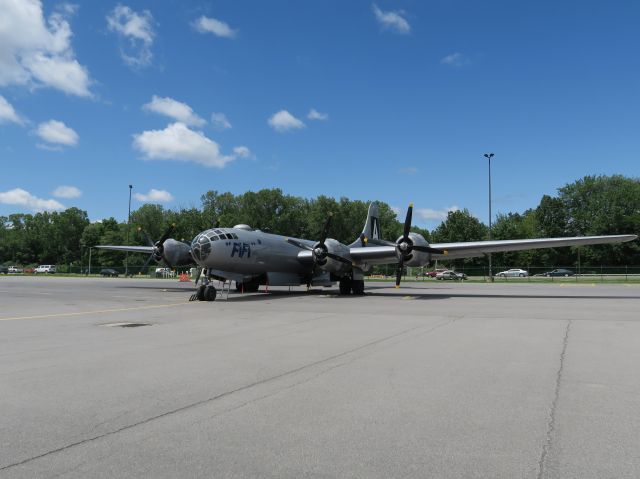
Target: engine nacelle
[(415, 258), (177, 253), (334, 266)]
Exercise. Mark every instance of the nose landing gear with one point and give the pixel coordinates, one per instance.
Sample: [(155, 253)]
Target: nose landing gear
[(206, 291)]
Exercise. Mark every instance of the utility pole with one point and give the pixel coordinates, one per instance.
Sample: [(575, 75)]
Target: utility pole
[(489, 156), (126, 258)]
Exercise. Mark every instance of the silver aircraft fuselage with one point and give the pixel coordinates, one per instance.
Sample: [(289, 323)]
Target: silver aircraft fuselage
[(249, 252)]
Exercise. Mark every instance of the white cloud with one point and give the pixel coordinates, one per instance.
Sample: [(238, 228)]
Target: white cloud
[(429, 214), (174, 109), (455, 60), (220, 121), (67, 192), (8, 113), (136, 29), (284, 121), (393, 21), (211, 25), (20, 197), (316, 115), (154, 196), (178, 142), (35, 52), (54, 131), (242, 152)]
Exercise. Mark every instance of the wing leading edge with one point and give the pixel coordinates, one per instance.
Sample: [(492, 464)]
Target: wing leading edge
[(133, 249), (387, 254)]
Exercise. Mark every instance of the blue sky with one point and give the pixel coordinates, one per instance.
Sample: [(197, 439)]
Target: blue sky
[(388, 100)]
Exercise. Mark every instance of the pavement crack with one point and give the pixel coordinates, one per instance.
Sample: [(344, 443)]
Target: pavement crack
[(551, 425), (233, 391)]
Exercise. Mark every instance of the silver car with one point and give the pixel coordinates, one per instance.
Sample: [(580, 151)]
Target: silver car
[(513, 273)]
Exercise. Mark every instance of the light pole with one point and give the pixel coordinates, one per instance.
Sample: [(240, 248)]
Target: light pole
[(126, 258), (489, 156)]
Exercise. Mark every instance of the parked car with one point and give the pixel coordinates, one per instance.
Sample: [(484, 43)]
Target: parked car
[(558, 272), (29, 270), (109, 272), (432, 274), (4, 270), (452, 275), (14, 270), (46, 269), (513, 273)]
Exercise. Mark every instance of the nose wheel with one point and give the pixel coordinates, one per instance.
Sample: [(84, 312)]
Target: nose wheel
[(206, 291)]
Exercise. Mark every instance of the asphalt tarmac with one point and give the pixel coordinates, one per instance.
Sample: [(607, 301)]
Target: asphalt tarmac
[(431, 380)]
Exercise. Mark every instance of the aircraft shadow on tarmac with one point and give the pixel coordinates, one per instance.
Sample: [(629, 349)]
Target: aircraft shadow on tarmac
[(374, 291), (402, 293)]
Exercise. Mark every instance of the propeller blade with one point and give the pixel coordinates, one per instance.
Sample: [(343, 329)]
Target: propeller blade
[(338, 258), (399, 272), (166, 234), (146, 263), (325, 231), (407, 221), (429, 249), (299, 245), (146, 236)]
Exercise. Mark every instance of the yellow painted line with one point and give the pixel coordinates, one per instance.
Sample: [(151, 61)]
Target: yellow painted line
[(99, 311)]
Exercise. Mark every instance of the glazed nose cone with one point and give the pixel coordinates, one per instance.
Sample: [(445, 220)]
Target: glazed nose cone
[(201, 247)]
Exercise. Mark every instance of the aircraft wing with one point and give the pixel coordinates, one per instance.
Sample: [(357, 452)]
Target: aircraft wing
[(479, 248), (387, 254), (133, 249)]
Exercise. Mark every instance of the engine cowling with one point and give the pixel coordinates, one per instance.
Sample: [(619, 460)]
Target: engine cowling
[(412, 257), (176, 253), (329, 264)]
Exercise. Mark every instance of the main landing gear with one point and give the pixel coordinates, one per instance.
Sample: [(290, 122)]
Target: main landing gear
[(355, 286)]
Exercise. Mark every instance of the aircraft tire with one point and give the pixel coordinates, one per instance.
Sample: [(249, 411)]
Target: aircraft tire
[(210, 293), (357, 286), (345, 286), (200, 292)]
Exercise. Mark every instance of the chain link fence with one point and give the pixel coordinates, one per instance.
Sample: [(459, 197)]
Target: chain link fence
[(473, 273)]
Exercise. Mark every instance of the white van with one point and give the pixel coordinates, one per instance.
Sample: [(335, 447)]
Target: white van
[(45, 268)]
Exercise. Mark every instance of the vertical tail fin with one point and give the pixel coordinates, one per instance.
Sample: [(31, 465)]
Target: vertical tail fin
[(371, 230)]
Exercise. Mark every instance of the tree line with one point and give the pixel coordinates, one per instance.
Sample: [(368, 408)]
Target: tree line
[(593, 205)]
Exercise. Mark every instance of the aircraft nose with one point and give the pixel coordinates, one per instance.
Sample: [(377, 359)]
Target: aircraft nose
[(201, 247)]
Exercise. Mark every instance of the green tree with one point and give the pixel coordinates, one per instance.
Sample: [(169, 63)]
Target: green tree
[(461, 225)]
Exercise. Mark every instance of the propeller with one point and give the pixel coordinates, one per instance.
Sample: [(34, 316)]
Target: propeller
[(320, 250), (158, 246), (405, 246)]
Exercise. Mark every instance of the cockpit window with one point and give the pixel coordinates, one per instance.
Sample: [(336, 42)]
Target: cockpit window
[(217, 231), (229, 236), (214, 238)]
